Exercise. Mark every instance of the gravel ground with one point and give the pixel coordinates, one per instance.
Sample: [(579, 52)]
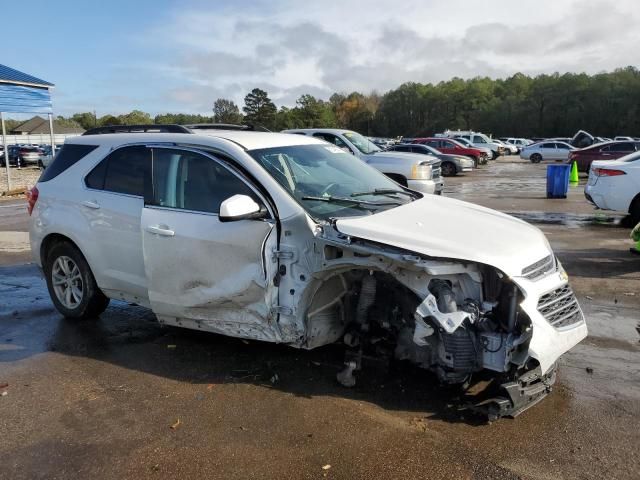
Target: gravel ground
[(120, 397), (20, 178)]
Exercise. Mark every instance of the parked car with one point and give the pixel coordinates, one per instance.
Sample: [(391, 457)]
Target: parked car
[(413, 171), (538, 152), (450, 164), (615, 185), (456, 147), (519, 142), (29, 155), (602, 151), (14, 159), (478, 139), (507, 147), (285, 238), (47, 155), (623, 138)]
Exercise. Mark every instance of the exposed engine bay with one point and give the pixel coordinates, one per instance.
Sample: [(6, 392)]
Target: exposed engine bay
[(452, 318)]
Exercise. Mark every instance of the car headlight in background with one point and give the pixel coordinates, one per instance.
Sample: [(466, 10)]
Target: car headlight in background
[(421, 171)]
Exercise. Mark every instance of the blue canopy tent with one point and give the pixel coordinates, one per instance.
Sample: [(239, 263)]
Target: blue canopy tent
[(23, 93)]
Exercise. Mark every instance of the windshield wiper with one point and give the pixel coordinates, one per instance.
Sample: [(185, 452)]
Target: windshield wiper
[(384, 191), (349, 201)]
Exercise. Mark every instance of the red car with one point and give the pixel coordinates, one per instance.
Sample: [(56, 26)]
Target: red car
[(451, 147), (602, 151)]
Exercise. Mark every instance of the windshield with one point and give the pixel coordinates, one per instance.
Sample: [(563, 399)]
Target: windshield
[(361, 143), (327, 182)]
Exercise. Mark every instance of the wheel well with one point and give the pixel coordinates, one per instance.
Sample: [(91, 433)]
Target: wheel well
[(398, 178), (634, 202), (50, 241)]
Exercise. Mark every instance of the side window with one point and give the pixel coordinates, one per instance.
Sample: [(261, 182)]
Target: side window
[(478, 139), (623, 147), (562, 146), (548, 145), (327, 137), (192, 181), (66, 157), (436, 143), (127, 170), (403, 148)]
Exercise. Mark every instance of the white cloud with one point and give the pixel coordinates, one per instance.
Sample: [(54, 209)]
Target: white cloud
[(292, 47)]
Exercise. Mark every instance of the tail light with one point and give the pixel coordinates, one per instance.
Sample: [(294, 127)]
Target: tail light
[(572, 156), (608, 172), (32, 198)]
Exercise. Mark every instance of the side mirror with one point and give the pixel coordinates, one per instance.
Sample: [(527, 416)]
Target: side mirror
[(240, 207)]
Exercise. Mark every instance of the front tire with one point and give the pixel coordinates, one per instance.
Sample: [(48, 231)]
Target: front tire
[(448, 169), (536, 158), (71, 284)]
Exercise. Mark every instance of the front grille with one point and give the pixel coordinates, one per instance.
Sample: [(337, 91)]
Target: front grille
[(539, 269), (560, 307)]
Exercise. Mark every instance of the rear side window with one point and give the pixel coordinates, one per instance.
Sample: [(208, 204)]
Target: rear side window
[(67, 156), (127, 170), (623, 147)]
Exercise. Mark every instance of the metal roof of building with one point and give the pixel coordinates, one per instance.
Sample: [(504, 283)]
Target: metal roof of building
[(16, 77)]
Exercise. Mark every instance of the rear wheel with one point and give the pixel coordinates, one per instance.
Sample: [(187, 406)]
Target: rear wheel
[(634, 211), (71, 284), (536, 158), (448, 169)]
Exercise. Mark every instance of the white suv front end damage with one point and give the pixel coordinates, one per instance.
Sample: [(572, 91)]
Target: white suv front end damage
[(444, 290)]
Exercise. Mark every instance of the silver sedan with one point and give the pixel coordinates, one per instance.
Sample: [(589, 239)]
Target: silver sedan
[(554, 151)]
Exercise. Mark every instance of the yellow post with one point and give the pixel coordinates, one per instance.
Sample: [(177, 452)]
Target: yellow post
[(573, 178)]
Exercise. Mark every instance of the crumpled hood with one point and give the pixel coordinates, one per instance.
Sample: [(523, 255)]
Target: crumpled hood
[(448, 228)]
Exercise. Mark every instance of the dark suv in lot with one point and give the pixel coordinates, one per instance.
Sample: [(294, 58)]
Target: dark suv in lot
[(602, 151)]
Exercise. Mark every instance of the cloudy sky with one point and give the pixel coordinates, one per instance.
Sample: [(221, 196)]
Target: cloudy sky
[(170, 56)]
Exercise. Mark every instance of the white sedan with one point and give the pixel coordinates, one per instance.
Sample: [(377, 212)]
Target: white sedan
[(552, 150), (615, 185)]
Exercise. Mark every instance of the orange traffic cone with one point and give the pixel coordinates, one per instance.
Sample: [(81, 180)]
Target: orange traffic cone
[(573, 177)]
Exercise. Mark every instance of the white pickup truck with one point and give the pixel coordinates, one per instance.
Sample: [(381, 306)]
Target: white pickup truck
[(478, 140), (415, 171)]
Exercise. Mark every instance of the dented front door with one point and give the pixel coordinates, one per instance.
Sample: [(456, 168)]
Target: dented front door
[(204, 273)]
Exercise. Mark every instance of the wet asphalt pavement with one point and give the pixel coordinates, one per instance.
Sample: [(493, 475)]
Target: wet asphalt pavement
[(120, 397)]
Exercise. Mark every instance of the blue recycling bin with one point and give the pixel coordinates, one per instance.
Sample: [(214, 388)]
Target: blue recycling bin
[(558, 180)]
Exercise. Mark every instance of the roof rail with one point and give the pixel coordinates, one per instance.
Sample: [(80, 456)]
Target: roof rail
[(227, 126), (170, 128)]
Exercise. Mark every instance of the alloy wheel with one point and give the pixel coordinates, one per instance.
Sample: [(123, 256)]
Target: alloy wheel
[(67, 282)]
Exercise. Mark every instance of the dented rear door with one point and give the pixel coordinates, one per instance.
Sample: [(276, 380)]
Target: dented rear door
[(199, 268)]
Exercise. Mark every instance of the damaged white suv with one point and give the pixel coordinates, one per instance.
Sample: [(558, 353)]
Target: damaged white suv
[(284, 238)]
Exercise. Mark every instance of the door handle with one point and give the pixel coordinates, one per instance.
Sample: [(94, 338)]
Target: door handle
[(163, 230), (91, 204)]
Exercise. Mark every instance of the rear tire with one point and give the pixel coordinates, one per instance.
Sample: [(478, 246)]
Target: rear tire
[(634, 211), (71, 284), (448, 169), (536, 158)]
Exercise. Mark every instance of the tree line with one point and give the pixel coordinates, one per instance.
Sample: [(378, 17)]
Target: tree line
[(604, 104)]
